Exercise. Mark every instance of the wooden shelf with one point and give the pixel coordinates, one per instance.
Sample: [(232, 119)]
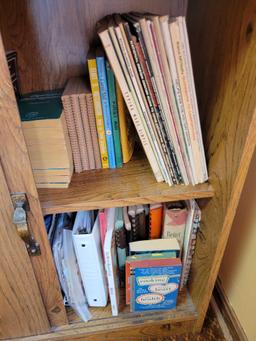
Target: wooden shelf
[(130, 185), (103, 320)]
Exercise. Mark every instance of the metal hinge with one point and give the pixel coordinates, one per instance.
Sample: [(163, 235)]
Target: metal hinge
[(21, 207)]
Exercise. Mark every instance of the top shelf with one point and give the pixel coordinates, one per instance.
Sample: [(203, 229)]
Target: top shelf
[(131, 185)]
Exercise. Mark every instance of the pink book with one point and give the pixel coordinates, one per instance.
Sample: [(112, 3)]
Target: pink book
[(103, 228)]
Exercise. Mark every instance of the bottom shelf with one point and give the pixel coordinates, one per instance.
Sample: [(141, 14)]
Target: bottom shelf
[(103, 321)]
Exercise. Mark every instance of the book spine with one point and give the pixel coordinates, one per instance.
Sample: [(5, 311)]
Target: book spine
[(92, 66), (93, 131), (80, 132), (177, 96), (101, 67), (191, 247), (127, 138), (114, 115), (185, 92), (128, 97), (67, 141), (68, 112), (87, 133)]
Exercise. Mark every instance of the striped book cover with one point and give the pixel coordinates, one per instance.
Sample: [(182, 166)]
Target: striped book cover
[(93, 130), (86, 128), (80, 132), (68, 112)]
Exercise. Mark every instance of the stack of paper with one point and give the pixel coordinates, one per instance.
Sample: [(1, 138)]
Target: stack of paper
[(150, 58)]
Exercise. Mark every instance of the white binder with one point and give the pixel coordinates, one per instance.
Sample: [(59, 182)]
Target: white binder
[(89, 258)]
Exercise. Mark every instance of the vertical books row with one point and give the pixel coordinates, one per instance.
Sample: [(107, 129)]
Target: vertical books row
[(150, 57), (99, 132), (100, 254), (114, 126)]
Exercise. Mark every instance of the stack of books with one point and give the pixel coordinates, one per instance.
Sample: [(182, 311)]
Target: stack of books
[(150, 58), (114, 126), (153, 274), (45, 133)]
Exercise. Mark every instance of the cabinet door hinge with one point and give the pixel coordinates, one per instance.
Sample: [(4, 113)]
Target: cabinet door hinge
[(21, 207)]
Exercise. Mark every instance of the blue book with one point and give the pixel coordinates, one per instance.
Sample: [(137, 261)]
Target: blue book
[(155, 288), (104, 95), (114, 115)]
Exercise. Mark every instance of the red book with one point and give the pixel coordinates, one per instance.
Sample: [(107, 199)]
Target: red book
[(103, 228)]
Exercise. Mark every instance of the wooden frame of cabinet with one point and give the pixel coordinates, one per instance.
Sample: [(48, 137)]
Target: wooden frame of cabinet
[(51, 38)]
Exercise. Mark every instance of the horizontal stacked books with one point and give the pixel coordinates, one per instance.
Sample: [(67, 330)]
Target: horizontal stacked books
[(45, 133), (93, 121), (150, 58)]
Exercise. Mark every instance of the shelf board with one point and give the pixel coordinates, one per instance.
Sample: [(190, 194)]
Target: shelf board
[(133, 184), (102, 319)]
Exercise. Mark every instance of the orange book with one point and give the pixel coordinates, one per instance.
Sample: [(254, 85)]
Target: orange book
[(155, 221)]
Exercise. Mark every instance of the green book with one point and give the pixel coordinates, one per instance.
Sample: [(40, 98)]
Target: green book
[(114, 115), (40, 105)]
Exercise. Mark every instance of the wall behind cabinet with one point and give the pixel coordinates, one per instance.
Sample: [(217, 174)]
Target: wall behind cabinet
[(52, 36)]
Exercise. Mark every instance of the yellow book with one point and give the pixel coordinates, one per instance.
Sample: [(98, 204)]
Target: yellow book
[(98, 111), (126, 127)]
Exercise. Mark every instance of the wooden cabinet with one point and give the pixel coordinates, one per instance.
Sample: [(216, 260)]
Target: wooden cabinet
[(52, 38)]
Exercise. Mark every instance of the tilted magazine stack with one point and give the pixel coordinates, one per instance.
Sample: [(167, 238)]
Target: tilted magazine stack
[(150, 58)]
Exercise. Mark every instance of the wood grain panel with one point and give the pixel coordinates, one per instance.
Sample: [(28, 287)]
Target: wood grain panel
[(19, 178), (52, 36), (128, 326), (223, 40), (133, 184), (153, 331), (21, 303)]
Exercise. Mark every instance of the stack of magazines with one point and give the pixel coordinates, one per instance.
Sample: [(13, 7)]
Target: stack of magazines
[(151, 60)]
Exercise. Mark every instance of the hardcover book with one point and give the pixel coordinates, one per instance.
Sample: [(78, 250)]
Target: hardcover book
[(144, 260), (156, 288)]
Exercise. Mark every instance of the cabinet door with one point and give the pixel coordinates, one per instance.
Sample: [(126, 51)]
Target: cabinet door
[(19, 178), (22, 310)]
